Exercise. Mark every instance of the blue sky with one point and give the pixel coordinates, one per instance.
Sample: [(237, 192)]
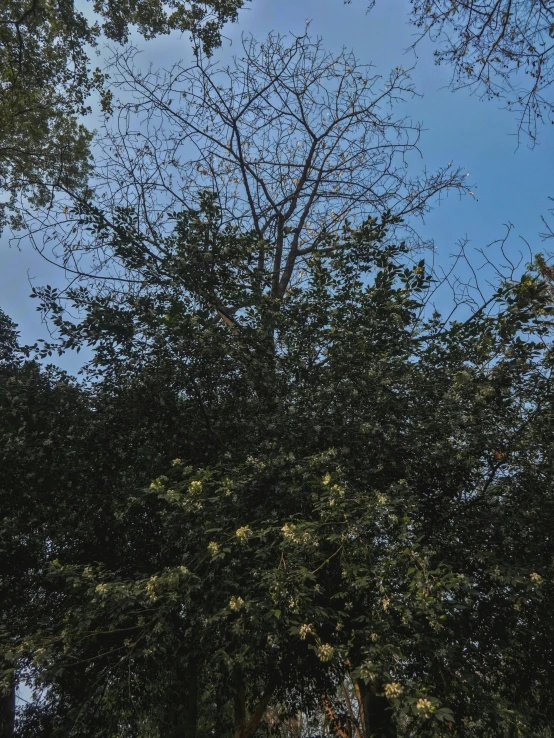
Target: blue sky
[(511, 184)]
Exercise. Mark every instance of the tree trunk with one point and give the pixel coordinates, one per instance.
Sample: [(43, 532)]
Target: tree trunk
[(191, 712), (376, 717), (244, 728), (341, 727), (186, 710), (354, 722), (239, 704), (7, 710)]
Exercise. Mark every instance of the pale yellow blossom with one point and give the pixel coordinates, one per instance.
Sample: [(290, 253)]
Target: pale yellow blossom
[(392, 690), (291, 533), (425, 706), (243, 533), (304, 631), (213, 548), (325, 652), (235, 603), (151, 588)]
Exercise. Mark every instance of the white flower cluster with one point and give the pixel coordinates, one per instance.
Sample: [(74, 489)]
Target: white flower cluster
[(392, 690), (235, 603), (291, 533), (304, 631), (325, 652), (243, 533)]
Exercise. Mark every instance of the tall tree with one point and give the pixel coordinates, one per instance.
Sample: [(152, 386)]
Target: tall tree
[(41, 414), (290, 138), (370, 497), (69, 457), (350, 486)]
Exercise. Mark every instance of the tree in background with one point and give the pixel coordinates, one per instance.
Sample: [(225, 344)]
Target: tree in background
[(42, 416), (71, 455), (46, 80), (502, 49), (290, 139)]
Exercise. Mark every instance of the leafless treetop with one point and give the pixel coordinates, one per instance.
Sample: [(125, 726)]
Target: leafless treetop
[(293, 140)]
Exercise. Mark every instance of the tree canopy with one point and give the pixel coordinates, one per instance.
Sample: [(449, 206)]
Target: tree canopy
[(302, 485), (363, 491), (46, 79)]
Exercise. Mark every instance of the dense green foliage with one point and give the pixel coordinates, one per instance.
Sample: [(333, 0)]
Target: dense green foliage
[(360, 489), (288, 494)]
